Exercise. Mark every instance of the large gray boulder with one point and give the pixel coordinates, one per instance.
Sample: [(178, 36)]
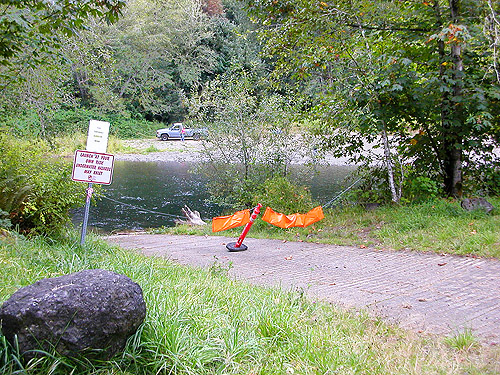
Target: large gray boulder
[(471, 204), (90, 313)]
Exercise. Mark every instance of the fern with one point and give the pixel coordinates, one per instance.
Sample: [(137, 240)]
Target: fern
[(13, 192)]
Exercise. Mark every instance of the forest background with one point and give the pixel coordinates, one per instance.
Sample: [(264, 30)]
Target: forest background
[(417, 79)]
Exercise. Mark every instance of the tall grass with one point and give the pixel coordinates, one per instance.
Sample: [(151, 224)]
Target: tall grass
[(203, 322)]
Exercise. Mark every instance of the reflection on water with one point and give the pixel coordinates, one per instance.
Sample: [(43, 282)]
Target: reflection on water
[(165, 187)]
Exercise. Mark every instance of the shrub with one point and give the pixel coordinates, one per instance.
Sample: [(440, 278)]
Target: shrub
[(37, 190), (278, 192), (283, 195), (122, 126), (483, 180), (420, 189), (372, 188)]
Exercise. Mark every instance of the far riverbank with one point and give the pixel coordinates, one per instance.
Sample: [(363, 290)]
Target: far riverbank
[(187, 151)]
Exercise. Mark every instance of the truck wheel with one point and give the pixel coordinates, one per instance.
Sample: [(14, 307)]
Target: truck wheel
[(196, 136), (164, 137)]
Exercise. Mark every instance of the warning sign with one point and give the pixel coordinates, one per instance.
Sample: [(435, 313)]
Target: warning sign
[(97, 137), (93, 167)]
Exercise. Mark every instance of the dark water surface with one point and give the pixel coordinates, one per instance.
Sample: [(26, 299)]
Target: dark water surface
[(165, 187)]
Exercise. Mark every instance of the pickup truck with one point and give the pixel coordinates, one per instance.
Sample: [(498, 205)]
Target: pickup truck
[(174, 132)]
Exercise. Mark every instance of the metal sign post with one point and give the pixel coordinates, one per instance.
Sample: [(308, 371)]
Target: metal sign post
[(93, 165), (90, 190)]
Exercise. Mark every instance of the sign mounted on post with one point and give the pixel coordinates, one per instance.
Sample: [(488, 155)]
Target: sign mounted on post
[(97, 138), (94, 167)]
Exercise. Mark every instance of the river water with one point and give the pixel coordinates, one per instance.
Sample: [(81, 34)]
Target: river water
[(151, 194)]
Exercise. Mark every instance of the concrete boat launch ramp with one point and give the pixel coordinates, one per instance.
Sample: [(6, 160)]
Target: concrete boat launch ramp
[(418, 291)]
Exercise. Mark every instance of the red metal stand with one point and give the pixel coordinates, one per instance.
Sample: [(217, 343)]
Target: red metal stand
[(238, 245)]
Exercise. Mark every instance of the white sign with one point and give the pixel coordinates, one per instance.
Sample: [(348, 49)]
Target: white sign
[(97, 139), (93, 167)]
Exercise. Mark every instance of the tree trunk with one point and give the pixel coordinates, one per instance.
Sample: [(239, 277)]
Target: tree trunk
[(453, 164), (389, 165), (81, 81), (493, 24), (452, 117)]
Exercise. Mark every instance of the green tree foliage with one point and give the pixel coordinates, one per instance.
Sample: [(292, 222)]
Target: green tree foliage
[(160, 49), (39, 91), (36, 24), (142, 65), (32, 74), (138, 68), (421, 71)]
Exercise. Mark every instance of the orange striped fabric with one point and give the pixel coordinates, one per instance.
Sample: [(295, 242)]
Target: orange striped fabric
[(237, 219), (294, 220)]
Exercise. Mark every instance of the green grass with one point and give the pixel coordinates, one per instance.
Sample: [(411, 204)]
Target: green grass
[(465, 341), (66, 145), (151, 149), (440, 226), (203, 322)]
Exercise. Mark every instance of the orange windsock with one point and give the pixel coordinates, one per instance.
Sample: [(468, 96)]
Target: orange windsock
[(231, 221), (294, 220)]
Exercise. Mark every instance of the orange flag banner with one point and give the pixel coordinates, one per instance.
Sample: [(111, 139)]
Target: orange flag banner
[(294, 220), (231, 221)]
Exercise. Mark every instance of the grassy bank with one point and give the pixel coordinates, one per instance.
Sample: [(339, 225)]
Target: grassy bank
[(440, 226), (202, 322)]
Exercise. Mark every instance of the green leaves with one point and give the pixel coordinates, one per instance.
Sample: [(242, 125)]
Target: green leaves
[(28, 23), (35, 190), (408, 65)]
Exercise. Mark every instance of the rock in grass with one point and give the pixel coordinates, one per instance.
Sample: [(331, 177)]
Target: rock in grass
[(89, 313), (477, 203)]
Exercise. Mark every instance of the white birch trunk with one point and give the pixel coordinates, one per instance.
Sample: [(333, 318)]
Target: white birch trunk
[(389, 166)]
